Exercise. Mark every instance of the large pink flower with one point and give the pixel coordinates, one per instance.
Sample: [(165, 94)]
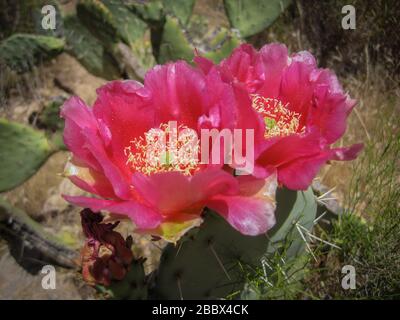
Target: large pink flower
[(304, 110), (108, 144)]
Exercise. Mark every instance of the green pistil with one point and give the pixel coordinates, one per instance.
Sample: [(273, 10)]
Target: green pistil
[(269, 123), (165, 159)]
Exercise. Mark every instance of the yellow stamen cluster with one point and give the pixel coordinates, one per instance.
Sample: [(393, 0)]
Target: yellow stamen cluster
[(164, 149), (279, 119)]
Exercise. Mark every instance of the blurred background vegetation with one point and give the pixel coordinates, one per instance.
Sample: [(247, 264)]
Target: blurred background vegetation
[(96, 41)]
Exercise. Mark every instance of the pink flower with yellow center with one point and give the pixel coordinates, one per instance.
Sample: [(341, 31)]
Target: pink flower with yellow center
[(123, 155), (303, 108)]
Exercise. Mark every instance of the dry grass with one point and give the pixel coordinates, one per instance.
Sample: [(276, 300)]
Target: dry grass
[(374, 122)]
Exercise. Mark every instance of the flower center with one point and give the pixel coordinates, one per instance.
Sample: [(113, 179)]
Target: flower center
[(279, 120), (163, 149)]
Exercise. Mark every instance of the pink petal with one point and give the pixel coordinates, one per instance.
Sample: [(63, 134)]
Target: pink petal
[(219, 99), (143, 217), (77, 117), (305, 57), (251, 212), (348, 153), (297, 89), (176, 93), (203, 63), (83, 137), (75, 110), (189, 192), (111, 171), (329, 114), (331, 106), (88, 179), (122, 114), (273, 58), (93, 204), (289, 148), (240, 64), (298, 175)]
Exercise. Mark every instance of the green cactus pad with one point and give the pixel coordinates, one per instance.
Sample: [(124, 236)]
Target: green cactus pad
[(253, 16), (206, 264), (174, 44), (88, 50), (182, 9), (129, 26), (179, 43), (293, 207), (95, 15), (111, 21), (149, 11), (223, 44), (20, 52), (215, 43), (122, 34), (20, 225), (23, 151)]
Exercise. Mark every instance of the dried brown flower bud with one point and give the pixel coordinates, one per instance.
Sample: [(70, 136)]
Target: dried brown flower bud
[(106, 256)]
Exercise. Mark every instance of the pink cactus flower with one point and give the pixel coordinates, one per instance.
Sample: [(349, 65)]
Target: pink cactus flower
[(109, 142), (304, 110)]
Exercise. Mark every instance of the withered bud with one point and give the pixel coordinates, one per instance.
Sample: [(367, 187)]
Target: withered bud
[(106, 256)]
